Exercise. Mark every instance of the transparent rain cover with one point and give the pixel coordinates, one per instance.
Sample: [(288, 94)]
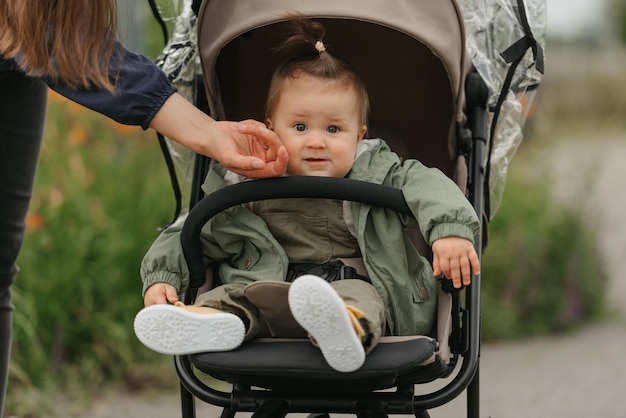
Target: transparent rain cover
[(492, 26), (181, 62)]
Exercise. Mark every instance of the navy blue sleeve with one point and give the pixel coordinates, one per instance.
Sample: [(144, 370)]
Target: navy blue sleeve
[(7, 66), (141, 90)]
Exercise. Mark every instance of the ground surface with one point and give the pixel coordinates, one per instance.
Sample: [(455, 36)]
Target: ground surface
[(578, 376)]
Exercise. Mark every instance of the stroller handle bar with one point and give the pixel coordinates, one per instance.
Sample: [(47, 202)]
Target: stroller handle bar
[(278, 188)]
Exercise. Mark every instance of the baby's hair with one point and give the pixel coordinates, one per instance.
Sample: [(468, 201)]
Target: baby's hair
[(303, 52)]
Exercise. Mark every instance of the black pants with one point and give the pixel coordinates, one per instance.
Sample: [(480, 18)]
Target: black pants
[(22, 113)]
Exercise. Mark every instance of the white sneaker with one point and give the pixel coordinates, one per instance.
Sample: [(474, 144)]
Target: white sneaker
[(173, 330), (321, 311)]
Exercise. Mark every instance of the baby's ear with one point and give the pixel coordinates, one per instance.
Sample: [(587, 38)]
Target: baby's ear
[(362, 133), (268, 123)]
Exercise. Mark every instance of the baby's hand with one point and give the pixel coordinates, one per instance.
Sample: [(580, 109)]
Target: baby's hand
[(455, 257), (160, 293)]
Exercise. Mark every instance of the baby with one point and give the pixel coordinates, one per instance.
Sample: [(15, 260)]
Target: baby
[(318, 107)]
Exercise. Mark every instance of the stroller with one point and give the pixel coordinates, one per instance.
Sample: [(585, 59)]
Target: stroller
[(430, 101)]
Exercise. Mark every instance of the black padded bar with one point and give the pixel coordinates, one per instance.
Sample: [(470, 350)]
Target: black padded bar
[(278, 188)]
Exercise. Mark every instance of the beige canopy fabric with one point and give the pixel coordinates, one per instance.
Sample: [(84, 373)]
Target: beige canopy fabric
[(410, 53)]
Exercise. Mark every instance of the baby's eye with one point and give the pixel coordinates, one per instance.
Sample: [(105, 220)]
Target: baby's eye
[(333, 129), (300, 127)]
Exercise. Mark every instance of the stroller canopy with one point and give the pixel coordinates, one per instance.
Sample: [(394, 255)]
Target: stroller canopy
[(403, 40), (410, 55)]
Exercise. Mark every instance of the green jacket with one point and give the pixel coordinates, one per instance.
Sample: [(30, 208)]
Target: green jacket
[(246, 251)]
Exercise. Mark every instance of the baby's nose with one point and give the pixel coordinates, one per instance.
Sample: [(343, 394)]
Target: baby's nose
[(315, 140)]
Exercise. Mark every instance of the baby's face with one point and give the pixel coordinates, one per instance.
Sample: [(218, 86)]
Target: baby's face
[(318, 122)]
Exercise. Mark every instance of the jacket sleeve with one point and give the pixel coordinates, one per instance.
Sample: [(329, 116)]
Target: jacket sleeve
[(438, 204), (142, 88), (235, 240), (164, 262)]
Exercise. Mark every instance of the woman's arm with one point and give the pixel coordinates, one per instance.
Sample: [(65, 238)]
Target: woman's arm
[(145, 97), (141, 89), (247, 148)]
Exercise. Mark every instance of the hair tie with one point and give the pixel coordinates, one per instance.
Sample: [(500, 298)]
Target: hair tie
[(319, 45)]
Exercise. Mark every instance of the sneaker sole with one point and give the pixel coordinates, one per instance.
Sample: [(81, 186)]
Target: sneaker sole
[(322, 313), (171, 330)]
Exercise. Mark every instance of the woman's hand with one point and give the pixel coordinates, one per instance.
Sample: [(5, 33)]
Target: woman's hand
[(247, 148)]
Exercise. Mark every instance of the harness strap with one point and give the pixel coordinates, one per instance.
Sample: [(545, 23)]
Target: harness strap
[(331, 271)]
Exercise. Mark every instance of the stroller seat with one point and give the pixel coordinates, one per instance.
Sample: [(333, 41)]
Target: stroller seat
[(283, 364), (293, 370)]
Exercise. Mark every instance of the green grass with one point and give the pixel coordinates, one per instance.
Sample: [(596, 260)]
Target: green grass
[(542, 271)]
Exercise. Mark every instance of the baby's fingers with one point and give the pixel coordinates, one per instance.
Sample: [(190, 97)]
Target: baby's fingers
[(474, 261), (466, 273), (454, 272), (450, 269), (171, 294), (436, 267), (470, 264)]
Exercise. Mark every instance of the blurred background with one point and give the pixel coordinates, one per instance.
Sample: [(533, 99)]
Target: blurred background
[(552, 269)]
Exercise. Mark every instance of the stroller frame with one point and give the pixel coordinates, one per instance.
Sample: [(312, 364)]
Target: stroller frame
[(469, 136), (466, 320)]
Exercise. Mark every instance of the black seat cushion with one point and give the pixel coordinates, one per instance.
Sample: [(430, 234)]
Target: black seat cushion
[(289, 364)]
